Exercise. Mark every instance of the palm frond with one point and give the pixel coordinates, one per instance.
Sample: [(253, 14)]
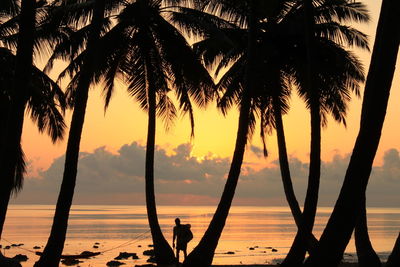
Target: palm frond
[(183, 65), (342, 35)]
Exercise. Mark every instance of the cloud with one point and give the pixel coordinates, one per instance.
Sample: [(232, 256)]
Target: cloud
[(259, 152), (180, 178)]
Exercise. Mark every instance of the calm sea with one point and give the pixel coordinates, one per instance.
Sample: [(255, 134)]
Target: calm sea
[(250, 233)]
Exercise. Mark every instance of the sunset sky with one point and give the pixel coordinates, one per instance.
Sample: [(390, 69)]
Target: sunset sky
[(192, 171)]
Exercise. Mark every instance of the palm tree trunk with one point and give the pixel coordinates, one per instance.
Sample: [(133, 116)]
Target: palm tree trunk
[(394, 258), (343, 219), (15, 117), (55, 244), (163, 251), (284, 166), (366, 254), (297, 252), (203, 253), (291, 259)]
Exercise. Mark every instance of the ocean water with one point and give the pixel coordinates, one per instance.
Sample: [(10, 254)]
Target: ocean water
[(250, 233)]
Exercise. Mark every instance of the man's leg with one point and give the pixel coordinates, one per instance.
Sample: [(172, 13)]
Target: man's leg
[(184, 253), (177, 257)]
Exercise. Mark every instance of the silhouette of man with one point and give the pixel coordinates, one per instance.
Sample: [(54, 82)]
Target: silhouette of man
[(181, 240)]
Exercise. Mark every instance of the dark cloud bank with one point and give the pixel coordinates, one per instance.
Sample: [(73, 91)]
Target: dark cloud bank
[(107, 178)]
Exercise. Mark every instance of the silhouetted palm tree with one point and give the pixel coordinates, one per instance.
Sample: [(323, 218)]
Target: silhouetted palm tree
[(203, 253), (283, 50), (81, 83), (154, 59), (325, 92), (12, 138), (25, 88), (44, 100), (347, 209)]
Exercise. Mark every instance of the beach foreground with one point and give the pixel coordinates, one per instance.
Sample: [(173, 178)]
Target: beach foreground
[(344, 264)]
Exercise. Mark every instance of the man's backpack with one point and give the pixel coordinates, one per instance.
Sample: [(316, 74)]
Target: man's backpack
[(187, 234)]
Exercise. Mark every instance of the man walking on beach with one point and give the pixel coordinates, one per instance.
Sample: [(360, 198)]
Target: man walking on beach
[(183, 235)]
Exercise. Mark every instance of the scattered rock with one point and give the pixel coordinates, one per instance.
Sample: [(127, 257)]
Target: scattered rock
[(14, 245), (152, 259), (126, 255), (4, 261), (139, 246), (251, 248), (70, 262), (230, 252), (7, 247), (149, 252), (20, 257), (114, 263), (97, 243), (1, 246), (274, 250), (150, 246), (87, 253), (36, 247), (95, 246)]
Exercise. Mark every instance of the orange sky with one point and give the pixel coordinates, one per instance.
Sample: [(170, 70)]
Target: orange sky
[(124, 123)]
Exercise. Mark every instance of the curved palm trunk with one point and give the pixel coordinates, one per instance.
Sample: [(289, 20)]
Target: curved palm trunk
[(366, 254), (310, 240), (203, 253), (284, 165), (297, 252), (55, 244), (343, 219), (163, 251), (15, 119), (394, 258), (288, 187)]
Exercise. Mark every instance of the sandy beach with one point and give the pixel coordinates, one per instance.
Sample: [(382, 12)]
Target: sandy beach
[(344, 264)]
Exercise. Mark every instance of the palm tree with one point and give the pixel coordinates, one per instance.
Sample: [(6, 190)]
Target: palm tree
[(203, 253), (42, 98), (329, 15), (278, 47), (55, 244), (347, 209), (43, 103), (156, 59), (9, 149), (226, 40), (153, 58)]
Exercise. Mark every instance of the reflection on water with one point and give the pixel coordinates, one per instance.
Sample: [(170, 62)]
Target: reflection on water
[(250, 232)]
